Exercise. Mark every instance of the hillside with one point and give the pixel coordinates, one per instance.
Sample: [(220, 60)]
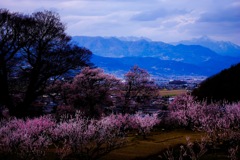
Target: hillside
[(222, 86)]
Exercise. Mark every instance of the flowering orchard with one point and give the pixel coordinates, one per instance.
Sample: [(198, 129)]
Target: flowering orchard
[(25, 139), (79, 137), (72, 136), (92, 91), (81, 128), (220, 122)]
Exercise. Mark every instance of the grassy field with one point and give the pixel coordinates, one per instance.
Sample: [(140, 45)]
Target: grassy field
[(172, 92), (138, 148)]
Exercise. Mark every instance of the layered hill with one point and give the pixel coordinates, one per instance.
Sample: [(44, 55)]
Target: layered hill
[(155, 66)]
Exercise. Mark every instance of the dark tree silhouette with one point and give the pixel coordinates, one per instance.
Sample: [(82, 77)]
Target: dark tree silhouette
[(47, 52), (13, 27)]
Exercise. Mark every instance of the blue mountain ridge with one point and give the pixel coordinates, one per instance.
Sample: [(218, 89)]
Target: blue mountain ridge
[(221, 47), (158, 58)]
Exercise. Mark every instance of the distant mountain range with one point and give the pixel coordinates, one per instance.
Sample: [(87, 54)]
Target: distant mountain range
[(220, 47), (117, 55)]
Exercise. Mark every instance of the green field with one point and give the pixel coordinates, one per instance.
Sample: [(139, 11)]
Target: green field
[(172, 92)]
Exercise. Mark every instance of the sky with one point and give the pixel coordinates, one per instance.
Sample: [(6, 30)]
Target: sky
[(158, 20)]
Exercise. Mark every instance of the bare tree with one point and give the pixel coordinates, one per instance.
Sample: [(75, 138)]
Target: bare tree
[(46, 52), (12, 30)]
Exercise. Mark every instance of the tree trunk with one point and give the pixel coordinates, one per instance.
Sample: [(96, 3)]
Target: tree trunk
[(5, 98), (25, 109)]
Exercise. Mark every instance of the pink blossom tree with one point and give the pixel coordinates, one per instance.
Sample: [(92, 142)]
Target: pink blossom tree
[(185, 111), (144, 123), (88, 138), (139, 90), (90, 91)]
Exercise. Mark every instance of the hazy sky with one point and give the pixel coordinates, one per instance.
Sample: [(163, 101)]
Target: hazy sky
[(159, 20)]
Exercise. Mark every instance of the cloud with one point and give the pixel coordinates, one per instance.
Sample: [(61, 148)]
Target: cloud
[(151, 15), (159, 20), (229, 14), (222, 22)]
